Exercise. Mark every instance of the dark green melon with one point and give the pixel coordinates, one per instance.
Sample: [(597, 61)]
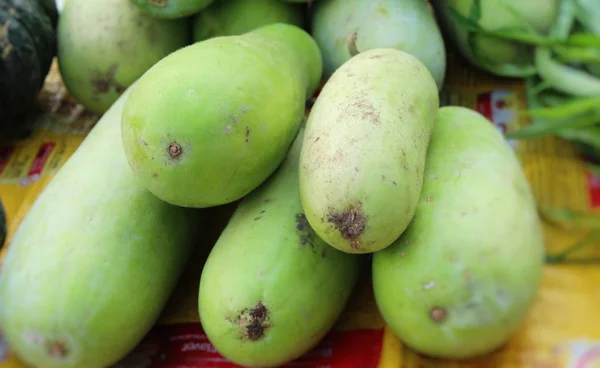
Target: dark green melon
[(27, 46), (51, 10)]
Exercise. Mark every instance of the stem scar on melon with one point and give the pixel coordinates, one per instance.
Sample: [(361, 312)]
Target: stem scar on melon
[(438, 314), (174, 150), (351, 43), (57, 349), (253, 322), (350, 223)]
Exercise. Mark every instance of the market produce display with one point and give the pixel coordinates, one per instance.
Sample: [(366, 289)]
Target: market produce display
[(27, 46), (320, 125)]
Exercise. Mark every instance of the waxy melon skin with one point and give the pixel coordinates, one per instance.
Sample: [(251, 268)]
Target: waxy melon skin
[(210, 122), (363, 157), (271, 289), (463, 276), (234, 17), (94, 261), (171, 9)]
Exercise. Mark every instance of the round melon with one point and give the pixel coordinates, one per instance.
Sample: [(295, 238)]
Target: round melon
[(27, 46)]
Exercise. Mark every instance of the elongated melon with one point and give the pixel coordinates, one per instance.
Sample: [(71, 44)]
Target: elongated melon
[(271, 288), (94, 261), (362, 162), (464, 274), (210, 122)]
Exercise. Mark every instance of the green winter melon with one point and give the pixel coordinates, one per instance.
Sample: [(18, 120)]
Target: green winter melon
[(406, 25), (172, 9), (271, 289), (362, 162), (461, 279), (105, 45), (234, 17), (94, 261), (206, 136)]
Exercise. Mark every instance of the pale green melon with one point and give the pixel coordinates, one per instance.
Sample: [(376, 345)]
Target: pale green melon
[(271, 288), (463, 276), (94, 261)]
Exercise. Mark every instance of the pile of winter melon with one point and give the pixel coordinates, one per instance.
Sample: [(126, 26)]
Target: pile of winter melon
[(377, 171)]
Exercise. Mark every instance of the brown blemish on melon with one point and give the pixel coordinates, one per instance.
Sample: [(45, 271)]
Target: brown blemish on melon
[(305, 232), (363, 109), (350, 223), (174, 150), (247, 133), (253, 322), (159, 3), (102, 82), (438, 314), (57, 349)]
